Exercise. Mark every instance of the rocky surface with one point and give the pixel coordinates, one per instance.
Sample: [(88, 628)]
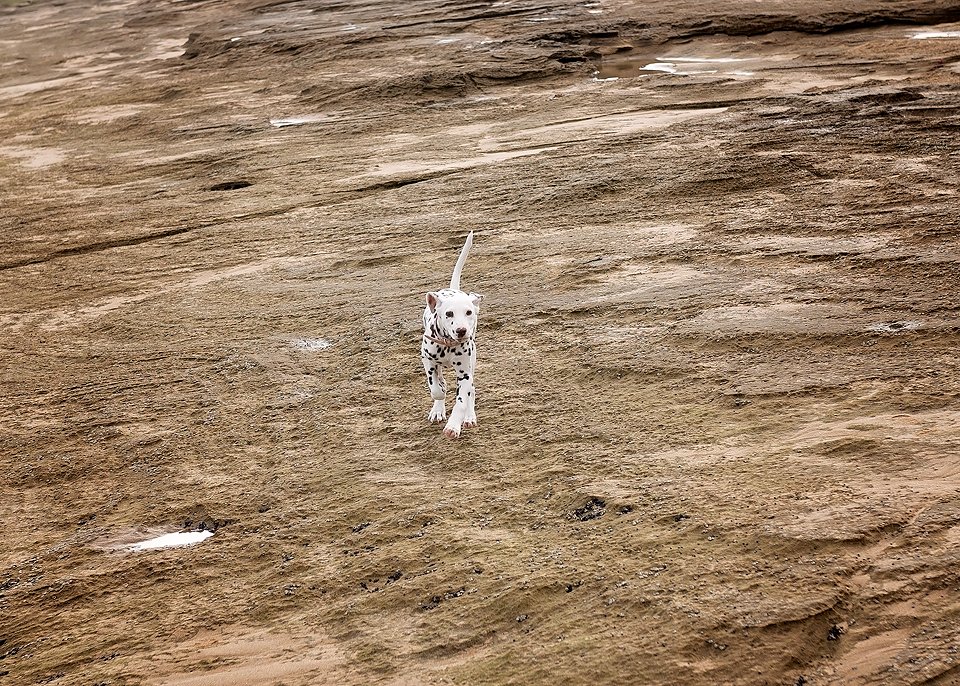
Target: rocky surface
[(719, 435)]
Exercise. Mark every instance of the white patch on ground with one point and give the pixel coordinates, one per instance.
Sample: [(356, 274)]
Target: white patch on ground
[(640, 64), (177, 539), (293, 121), (673, 65), (923, 35), (299, 121), (668, 67), (895, 327), (312, 344)]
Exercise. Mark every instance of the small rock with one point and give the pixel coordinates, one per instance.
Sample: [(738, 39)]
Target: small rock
[(835, 632), (593, 508)]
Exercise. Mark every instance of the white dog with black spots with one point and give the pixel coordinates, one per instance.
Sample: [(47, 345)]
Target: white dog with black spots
[(449, 327)]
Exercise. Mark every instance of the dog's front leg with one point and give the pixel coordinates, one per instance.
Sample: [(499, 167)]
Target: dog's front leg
[(460, 409), (470, 418), (438, 390)]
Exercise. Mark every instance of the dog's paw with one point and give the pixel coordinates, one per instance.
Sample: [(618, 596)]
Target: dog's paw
[(470, 422), (452, 429), (438, 413)]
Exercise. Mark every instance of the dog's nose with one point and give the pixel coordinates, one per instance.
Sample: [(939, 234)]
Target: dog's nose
[(461, 333)]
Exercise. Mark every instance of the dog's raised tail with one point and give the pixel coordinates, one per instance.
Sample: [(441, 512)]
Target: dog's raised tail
[(462, 260)]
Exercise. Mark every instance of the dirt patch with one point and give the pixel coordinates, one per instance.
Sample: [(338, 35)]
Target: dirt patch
[(717, 388)]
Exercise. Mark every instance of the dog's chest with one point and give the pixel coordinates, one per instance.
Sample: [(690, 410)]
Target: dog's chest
[(446, 357)]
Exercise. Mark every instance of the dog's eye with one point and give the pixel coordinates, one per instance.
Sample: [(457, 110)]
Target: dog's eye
[(449, 313), (469, 312)]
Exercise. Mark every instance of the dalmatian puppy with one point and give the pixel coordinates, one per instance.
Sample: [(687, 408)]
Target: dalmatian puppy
[(449, 326)]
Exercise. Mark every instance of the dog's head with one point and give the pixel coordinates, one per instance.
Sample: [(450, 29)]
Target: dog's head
[(456, 314)]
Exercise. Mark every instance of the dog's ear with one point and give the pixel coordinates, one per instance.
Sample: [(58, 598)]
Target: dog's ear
[(475, 298), (432, 300)]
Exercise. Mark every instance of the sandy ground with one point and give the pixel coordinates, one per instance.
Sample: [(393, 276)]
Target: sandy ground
[(719, 435)]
